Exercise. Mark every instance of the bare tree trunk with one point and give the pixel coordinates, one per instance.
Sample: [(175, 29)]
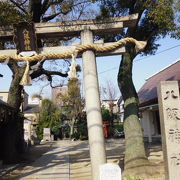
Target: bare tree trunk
[(15, 92), (14, 135), (135, 151), (111, 119), (72, 127), (111, 114)]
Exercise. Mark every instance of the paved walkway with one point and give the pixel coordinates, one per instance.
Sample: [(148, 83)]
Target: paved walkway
[(52, 165), (56, 163)]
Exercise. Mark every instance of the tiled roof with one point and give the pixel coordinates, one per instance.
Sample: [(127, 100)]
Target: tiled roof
[(2, 103), (148, 93), (31, 108)]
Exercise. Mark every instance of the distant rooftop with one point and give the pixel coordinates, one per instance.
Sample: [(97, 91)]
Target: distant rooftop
[(31, 108), (8, 92), (148, 93), (2, 103), (109, 99), (162, 69)]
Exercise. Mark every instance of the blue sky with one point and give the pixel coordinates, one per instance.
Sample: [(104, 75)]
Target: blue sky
[(143, 68)]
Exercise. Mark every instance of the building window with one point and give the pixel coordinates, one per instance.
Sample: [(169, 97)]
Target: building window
[(1, 98)]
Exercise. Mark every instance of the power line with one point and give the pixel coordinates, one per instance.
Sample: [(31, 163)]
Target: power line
[(142, 58), (158, 52), (108, 70)]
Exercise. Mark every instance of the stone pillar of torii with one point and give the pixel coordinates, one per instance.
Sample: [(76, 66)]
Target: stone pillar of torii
[(86, 29)]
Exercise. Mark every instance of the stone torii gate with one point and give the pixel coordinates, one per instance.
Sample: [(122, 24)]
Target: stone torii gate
[(85, 29)]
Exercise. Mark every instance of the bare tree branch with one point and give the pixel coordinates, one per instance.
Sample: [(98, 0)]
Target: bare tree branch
[(41, 90), (38, 65), (47, 73), (45, 6), (82, 2), (59, 85), (23, 3), (48, 18), (18, 6), (50, 73)]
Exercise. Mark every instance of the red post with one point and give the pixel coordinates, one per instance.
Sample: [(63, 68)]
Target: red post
[(105, 127)]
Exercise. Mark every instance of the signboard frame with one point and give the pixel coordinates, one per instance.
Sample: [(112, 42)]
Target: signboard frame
[(25, 37)]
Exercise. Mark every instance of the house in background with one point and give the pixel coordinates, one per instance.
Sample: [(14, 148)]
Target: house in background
[(149, 112), (31, 114), (120, 104), (4, 97), (114, 104), (30, 111)]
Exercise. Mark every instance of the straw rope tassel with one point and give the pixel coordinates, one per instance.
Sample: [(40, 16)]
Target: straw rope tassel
[(26, 79), (72, 73)]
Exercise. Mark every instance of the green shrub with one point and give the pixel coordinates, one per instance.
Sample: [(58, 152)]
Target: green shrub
[(82, 138), (105, 114), (119, 127), (49, 117), (75, 136), (82, 127)]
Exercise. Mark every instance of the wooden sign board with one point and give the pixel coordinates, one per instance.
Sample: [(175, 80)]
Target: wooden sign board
[(24, 37)]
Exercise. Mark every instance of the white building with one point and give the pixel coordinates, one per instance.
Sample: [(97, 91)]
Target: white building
[(121, 109)]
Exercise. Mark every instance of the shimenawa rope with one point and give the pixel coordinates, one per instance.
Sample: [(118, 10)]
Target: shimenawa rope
[(26, 80), (98, 48)]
